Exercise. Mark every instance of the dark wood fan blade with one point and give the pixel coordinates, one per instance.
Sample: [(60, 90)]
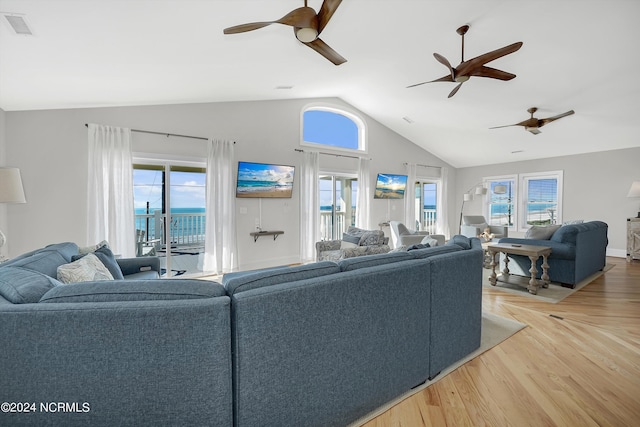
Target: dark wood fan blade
[(246, 27), (526, 123), (327, 10), (455, 90), (441, 59), (505, 126), (446, 78), (325, 50), (559, 116), (492, 73), (301, 17), (467, 67)]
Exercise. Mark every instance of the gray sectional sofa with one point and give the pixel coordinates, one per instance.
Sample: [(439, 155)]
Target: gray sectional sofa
[(577, 251), (318, 344)]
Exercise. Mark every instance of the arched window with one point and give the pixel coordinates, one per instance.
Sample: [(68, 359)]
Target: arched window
[(332, 128)]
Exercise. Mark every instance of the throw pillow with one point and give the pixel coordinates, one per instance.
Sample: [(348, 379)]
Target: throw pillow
[(88, 249), (429, 241), (86, 269), (105, 255), (370, 238), (403, 248), (349, 241), (541, 232), (418, 246)]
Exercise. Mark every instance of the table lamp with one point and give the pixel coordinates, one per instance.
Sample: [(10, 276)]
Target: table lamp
[(11, 191)]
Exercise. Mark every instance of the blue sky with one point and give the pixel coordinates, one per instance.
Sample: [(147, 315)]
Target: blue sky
[(327, 128), (187, 189), (391, 181)]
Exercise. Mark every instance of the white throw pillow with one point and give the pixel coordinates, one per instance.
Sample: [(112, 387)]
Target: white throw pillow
[(429, 241), (540, 232), (347, 245), (87, 269)]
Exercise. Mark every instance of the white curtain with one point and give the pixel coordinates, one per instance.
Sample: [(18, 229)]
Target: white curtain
[(410, 198), (442, 223), (220, 246), (364, 194), (309, 206), (110, 210)]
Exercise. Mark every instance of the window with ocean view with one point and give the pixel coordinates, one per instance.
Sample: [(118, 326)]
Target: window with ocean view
[(541, 198), (169, 203), (523, 200), (337, 205)]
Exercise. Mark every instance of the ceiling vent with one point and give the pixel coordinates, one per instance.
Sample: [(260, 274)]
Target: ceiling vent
[(18, 23)]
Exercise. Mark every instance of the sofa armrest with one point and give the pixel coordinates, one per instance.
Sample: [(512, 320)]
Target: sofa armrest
[(137, 265), (327, 245)]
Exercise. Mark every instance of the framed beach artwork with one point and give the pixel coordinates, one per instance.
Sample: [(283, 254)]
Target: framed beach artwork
[(390, 186), (263, 180)]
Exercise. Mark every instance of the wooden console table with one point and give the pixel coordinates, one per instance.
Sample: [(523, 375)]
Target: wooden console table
[(257, 234), (533, 252)]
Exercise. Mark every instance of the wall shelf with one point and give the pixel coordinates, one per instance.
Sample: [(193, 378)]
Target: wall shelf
[(257, 234)]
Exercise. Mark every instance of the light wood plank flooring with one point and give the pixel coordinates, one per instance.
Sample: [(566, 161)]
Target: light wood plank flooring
[(581, 368)]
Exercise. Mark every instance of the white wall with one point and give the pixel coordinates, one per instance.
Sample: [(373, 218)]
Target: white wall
[(3, 209), (50, 148), (595, 188)]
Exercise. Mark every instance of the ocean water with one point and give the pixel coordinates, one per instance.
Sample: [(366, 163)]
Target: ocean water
[(180, 226)]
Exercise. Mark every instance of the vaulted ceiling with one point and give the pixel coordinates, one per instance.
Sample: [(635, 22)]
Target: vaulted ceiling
[(577, 54)]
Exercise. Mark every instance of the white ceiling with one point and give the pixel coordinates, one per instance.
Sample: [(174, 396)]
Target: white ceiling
[(577, 54)]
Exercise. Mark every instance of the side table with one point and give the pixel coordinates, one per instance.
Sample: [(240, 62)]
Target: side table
[(533, 252)]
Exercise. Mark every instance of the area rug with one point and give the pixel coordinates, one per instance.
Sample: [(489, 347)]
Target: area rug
[(495, 329), (553, 294)]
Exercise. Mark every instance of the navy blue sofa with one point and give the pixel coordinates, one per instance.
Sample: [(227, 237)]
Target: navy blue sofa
[(318, 344), (577, 251)]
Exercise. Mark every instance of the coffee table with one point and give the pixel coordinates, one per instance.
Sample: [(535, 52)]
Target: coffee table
[(533, 252)]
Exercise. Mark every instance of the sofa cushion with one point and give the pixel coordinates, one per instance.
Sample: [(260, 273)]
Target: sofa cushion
[(86, 269), (541, 232), (21, 286), (139, 290), (105, 255), (460, 240), (356, 263), (428, 252), (281, 275), (45, 262)]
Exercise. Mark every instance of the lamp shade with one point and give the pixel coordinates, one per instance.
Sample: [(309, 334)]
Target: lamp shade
[(11, 190), (500, 189), (634, 191), (467, 197), (481, 191)]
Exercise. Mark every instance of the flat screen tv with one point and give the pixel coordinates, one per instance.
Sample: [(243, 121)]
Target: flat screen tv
[(390, 186), (262, 180)]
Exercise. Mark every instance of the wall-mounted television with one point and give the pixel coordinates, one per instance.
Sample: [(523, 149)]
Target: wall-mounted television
[(263, 180), (390, 186)]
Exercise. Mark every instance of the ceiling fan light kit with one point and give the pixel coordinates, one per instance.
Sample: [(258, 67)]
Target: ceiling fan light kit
[(307, 26)]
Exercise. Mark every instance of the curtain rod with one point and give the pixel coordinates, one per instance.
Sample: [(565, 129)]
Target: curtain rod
[(166, 134), (333, 154), (424, 166)]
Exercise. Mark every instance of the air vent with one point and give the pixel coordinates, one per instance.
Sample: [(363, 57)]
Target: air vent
[(18, 24)]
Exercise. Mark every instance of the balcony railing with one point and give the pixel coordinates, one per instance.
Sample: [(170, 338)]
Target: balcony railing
[(427, 223), (186, 229)]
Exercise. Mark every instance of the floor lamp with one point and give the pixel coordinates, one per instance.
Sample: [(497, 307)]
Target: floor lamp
[(480, 190), (634, 191), (11, 191)]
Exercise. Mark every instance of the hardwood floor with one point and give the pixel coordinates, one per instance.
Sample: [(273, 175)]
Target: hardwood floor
[(577, 363)]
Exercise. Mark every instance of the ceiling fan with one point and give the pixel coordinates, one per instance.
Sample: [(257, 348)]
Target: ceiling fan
[(307, 26), (473, 67), (533, 125)]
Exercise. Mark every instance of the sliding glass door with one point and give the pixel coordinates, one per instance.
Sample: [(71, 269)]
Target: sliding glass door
[(337, 205), (426, 206), (170, 215)]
